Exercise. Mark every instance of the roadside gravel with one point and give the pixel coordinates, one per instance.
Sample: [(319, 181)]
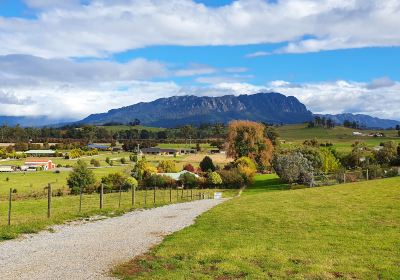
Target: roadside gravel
[(88, 250)]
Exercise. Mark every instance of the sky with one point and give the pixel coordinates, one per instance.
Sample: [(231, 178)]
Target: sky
[(67, 59)]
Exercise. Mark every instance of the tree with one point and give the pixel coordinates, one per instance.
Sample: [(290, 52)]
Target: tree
[(81, 178), (329, 162), (214, 179), (189, 167), (114, 181), (131, 183), (387, 154), (271, 134), (167, 166), (207, 164), (143, 169), (247, 167), (246, 138), (188, 179), (293, 168)]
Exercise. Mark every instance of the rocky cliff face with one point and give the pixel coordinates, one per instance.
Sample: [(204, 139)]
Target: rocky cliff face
[(179, 110)]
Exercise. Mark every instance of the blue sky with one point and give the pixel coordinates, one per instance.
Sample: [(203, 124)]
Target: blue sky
[(131, 51)]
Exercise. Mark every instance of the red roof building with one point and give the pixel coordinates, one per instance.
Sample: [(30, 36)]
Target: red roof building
[(47, 164)]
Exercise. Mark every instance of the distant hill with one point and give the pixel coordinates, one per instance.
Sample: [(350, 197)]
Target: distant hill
[(364, 120), (26, 121), (180, 110)]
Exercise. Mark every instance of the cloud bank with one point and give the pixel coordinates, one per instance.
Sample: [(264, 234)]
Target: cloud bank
[(100, 28)]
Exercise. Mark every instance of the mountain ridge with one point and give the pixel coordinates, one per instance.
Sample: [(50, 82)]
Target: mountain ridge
[(189, 109)]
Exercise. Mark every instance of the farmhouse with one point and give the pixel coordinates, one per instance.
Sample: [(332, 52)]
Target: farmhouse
[(177, 175), (40, 153), (7, 168), (33, 163), (159, 151)]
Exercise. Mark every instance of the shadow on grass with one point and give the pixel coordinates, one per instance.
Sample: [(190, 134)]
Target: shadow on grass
[(266, 182)]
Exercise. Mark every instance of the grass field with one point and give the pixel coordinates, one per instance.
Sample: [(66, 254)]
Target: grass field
[(341, 137), (29, 216), (347, 231), (28, 182)]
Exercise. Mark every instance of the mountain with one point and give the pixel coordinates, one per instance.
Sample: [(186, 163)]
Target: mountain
[(364, 120), (180, 110), (30, 121)]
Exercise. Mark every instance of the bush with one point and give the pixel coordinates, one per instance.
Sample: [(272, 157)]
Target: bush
[(123, 160), (115, 181), (207, 164), (293, 168), (189, 180), (247, 168), (81, 177), (231, 179), (167, 166), (393, 172), (157, 181), (214, 179)]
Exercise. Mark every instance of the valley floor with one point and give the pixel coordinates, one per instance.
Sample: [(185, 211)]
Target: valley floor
[(347, 231)]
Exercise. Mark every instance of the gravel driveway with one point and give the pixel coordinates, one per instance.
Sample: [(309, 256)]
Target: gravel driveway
[(88, 250)]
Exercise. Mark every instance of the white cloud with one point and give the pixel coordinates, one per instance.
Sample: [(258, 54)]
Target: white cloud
[(65, 29), (257, 54), (18, 70), (345, 97)]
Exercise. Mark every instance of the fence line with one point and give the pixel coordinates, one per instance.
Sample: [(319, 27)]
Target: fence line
[(134, 197)]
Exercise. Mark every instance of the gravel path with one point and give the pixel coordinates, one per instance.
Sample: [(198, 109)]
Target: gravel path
[(88, 250)]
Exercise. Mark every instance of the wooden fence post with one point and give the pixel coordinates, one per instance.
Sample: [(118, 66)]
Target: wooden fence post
[(9, 207), (177, 194), (119, 197), (170, 194), (367, 174), (154, 196), (101, 196), (133, 196), (80, 199), (49, 201), (344, 178), (145, 196), (191, 194)]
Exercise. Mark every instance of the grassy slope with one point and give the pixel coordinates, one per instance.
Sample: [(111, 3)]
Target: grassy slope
[(341, 137), (345, 231)]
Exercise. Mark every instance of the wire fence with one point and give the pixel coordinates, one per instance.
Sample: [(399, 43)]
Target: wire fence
[(55, 208), (350, 176)]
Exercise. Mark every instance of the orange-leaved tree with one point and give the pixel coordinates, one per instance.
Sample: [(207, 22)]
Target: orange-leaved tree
[(247, 139)]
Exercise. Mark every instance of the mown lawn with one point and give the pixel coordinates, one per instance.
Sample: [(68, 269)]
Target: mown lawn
[(347, 231)]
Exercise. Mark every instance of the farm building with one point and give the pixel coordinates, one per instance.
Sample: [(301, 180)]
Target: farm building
[(7, 168), (159, 151), (40, 153), (99, 147), (33, 163), (177, 175), (187, 151)]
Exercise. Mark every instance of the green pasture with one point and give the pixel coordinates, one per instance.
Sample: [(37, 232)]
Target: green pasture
[(341, 137), (349, 231)]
